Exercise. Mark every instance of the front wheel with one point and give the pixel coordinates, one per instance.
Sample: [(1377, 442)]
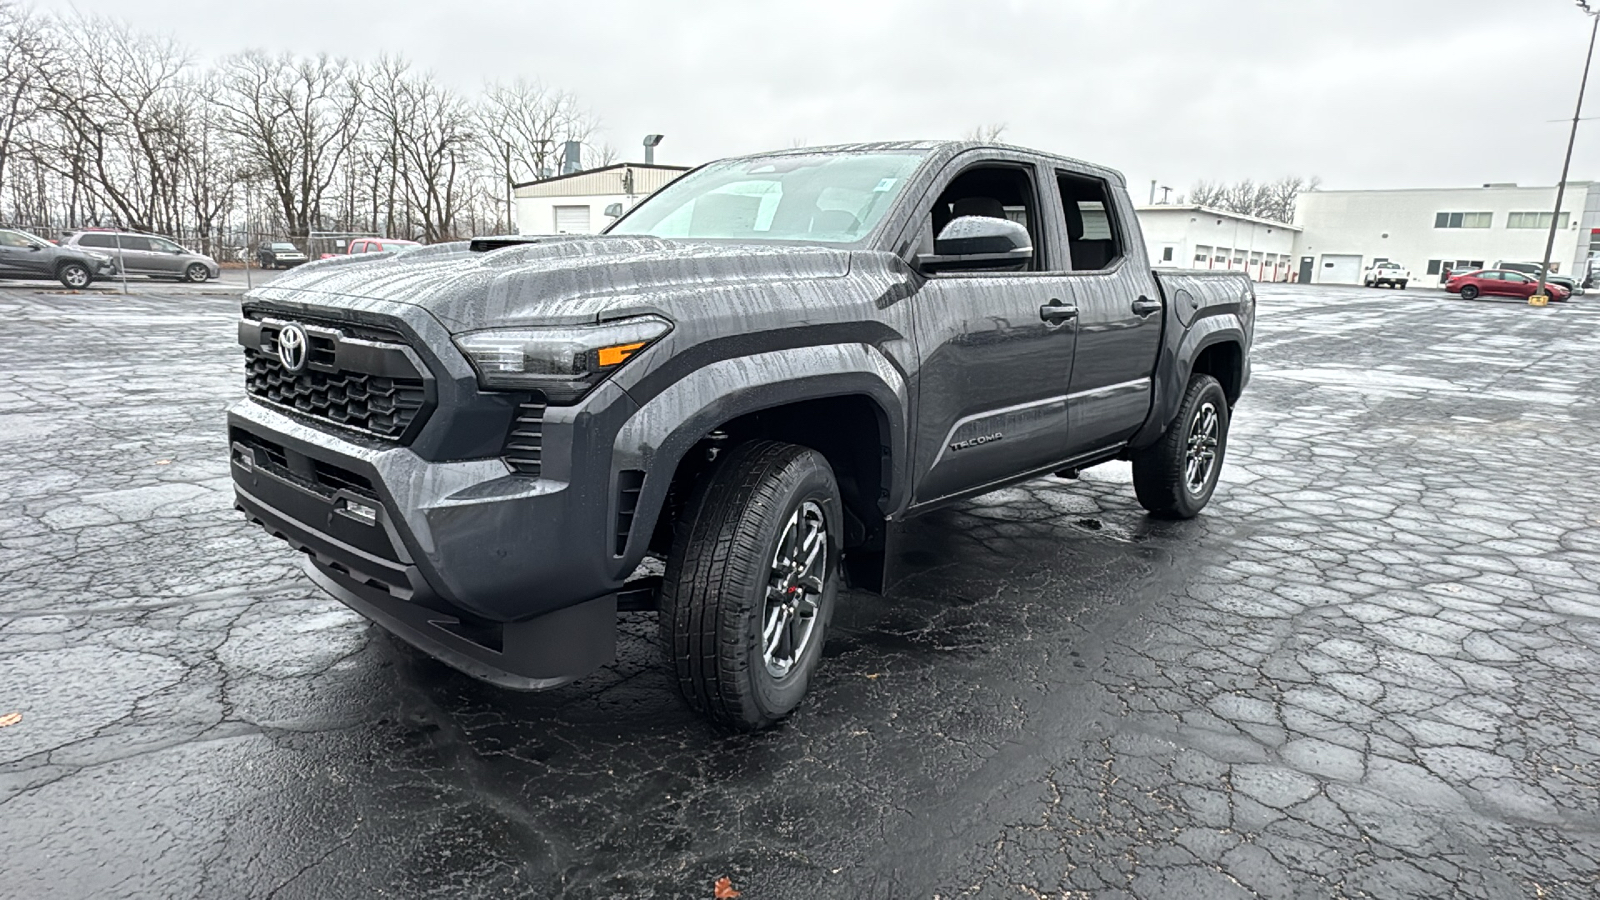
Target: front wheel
[(751, 581), (1469, 293), (74, 275), (1175, 477), (197, 273)]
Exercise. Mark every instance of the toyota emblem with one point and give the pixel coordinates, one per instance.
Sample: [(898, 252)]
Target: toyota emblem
[(292, 344)]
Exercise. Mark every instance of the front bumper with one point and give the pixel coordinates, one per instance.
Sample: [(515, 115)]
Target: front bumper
[(510, 579)]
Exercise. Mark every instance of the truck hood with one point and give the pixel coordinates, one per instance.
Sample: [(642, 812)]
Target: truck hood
[(559, 280)]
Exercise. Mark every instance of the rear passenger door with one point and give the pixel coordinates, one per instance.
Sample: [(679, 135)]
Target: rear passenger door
[(991, 393), (135, 253), (1119, 312), (166, 257)]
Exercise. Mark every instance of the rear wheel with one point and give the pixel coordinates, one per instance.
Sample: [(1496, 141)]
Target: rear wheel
[(1175, 477), (751, 581), (74, 275), (1468, 292), (1401, 285)]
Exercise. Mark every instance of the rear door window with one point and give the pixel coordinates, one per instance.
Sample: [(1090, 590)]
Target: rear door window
[(1094, 243)]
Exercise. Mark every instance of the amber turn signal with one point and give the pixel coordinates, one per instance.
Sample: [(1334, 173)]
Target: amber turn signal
[(616, 356)]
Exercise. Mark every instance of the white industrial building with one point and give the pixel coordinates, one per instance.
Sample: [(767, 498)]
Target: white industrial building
[(1197, 237), (578, 203), (1428, 230)]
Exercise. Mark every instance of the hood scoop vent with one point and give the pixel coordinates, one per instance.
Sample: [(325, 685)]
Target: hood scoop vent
[(498, 241)]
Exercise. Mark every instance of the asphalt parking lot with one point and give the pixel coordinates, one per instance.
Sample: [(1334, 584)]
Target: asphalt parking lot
[(1371, 669)]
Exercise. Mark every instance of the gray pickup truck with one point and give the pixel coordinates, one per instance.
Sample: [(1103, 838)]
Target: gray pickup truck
[(750, 378)]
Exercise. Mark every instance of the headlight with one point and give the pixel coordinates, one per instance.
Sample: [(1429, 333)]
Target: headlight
[(564, 362)]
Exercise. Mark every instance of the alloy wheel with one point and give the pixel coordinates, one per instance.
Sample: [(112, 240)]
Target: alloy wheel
[(794, 591), (1200, 457)]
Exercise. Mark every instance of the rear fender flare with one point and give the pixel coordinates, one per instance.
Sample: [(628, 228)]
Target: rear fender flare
[(1206, 331)]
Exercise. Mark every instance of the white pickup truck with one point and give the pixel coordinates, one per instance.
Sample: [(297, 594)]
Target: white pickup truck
[(1386, 274)]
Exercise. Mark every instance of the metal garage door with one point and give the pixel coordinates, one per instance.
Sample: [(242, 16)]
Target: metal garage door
[(1338, 269), (572, 220)]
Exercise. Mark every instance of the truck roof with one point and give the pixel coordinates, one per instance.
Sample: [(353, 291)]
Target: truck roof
[(943, 150)]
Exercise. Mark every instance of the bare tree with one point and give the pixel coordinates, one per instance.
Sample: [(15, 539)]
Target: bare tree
[(1270, 200), (28, 60), (295, 119), (433, 131), (985, 134), (131, 133), (120, 107), (526, 123), (598, 157)]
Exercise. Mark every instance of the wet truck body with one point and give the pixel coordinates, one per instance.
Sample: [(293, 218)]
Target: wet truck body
[(477, 444)]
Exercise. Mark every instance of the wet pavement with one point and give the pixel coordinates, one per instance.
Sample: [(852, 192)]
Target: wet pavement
[(1371, 669)]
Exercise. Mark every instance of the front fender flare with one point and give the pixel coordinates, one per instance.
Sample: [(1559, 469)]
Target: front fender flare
[(657, 437)]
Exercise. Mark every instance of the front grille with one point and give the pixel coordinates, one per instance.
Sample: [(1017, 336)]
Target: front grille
[(382, 406), (524, 447), (355, 376)]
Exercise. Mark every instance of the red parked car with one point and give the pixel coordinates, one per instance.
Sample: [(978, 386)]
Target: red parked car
[(1500, 282), (372, 245)]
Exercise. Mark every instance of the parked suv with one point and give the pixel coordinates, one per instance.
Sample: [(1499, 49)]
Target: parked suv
[(279, 255), (24, 255), (147, 254), (1570, 285), (754, 375)]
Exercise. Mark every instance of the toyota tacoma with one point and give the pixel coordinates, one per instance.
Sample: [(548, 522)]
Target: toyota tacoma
[(749, 379)]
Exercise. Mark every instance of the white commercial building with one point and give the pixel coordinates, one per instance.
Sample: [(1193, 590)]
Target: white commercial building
[(578, 203), (1197, 237), (1428, 230)]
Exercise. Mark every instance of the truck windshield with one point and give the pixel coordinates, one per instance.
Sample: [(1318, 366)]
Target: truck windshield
[(830, 198)]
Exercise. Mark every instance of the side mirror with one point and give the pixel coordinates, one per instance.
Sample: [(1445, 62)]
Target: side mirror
[(979, 241), (614, 211)]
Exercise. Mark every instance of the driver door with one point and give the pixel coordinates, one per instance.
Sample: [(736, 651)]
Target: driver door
[(992, 390), (21, 257)]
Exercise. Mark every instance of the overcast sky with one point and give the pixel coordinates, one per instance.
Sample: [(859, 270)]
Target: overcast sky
[(1364, 93)]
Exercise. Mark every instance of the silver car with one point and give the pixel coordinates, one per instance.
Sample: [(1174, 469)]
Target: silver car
[(148, 254), (24, 255)]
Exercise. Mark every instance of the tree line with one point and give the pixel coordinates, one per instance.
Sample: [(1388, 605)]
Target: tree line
[(1273, 200), (105, 125)]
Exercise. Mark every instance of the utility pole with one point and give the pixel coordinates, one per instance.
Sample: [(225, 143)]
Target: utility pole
[(1566, 167), (511, 209)]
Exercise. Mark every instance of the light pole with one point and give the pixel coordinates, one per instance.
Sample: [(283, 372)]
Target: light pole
[(1561, 190)]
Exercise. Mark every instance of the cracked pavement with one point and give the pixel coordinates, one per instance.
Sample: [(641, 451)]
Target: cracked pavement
[(1370, 669)]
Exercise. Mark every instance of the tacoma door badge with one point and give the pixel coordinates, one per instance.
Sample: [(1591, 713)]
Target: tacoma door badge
[(976, 442)]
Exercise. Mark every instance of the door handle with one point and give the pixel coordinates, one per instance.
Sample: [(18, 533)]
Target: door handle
[(1144, 306), (1055, 312)]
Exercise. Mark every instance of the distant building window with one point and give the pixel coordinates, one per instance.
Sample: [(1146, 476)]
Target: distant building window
[(1463, 220), (1434, 265), (1202, 253), (1166, 254), (1539, 220)]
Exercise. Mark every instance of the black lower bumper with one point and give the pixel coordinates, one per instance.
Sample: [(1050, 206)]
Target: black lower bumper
[(542, 652)]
